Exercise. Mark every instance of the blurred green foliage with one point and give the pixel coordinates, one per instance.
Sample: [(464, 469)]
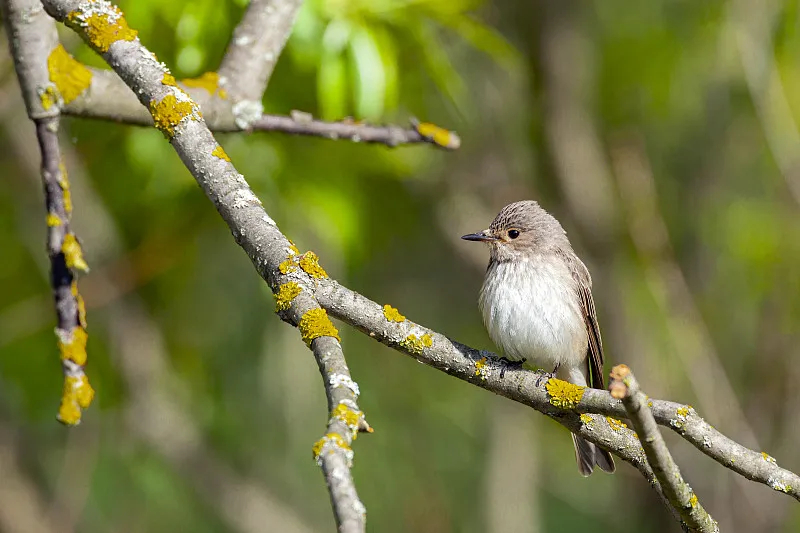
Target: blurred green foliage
[(665, 79)]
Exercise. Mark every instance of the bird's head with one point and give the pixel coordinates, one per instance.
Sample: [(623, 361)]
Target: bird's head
[(520, 230)]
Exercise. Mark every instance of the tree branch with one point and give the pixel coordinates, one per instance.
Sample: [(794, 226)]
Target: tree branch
[(36, 52), (304, 124), (290, 275), (106, 97), (482, 368), (624, 387), (254, 49)]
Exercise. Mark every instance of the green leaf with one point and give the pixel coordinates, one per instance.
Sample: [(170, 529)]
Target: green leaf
[(369, 73), (332, 86)]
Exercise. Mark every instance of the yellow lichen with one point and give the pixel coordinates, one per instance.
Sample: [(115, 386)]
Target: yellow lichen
[(208, 81), (693, 500), (70, 77), (288, 266), (392, 314), (779, 486), (48, 97), (586, 419), (53, 220), (347, 415), (81, 310), (681, 416), (103, 28), (169, 79), (286, 293), (563, 394), (416, 345), (333, 438), (73, 254), (438, 135), (63, 182), (76, 396), (479, 365), (309, 262), (80, 303), (220, 153), (293, 248), (72, 345), (168, 113), (768, 458), (315, 323), (615, 424)]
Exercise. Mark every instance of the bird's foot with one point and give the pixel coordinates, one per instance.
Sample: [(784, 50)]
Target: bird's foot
[(546, 376), (508, 363)]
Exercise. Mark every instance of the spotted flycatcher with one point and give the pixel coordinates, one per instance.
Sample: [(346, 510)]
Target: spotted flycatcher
[(537, 306)]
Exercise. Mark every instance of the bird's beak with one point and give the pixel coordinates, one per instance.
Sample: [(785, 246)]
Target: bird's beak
[(482, 236)]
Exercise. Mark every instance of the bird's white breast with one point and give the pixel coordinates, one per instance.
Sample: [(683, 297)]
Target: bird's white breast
[(531, 311)]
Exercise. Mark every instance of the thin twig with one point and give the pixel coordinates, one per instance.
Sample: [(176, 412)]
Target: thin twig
[(65, 256), (106, 97), (34, 45), (304, 124), (624, 387), (255, 46)]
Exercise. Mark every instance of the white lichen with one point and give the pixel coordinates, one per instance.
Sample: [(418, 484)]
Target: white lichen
[(244, 198), (777, 485), (341, 380), (245, 112), (90, 8)]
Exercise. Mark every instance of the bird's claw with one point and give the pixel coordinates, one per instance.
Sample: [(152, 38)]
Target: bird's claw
[(508, 363), (546, 376)]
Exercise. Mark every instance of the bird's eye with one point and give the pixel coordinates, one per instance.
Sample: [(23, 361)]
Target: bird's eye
[(513, 233)]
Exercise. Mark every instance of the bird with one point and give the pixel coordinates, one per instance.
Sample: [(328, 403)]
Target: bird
[(537, 306)]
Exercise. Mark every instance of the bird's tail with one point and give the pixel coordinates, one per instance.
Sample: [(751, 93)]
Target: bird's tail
[(588, 455)]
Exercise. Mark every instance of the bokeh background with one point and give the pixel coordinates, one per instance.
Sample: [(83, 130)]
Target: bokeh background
[(663, 135)]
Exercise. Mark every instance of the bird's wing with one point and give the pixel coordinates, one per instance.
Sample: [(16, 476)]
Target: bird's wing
[(595, 348)]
